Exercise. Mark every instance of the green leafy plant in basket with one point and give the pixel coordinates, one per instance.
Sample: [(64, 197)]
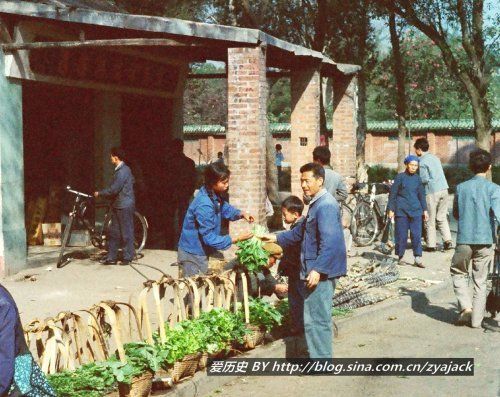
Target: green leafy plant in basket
[(250, 253), (91, 380), (220, 327), (182, 340), (263, 314)]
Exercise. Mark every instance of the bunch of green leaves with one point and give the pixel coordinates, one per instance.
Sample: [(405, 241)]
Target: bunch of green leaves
[(141, 357), (263, 314), (90, 380), (181, 340), (222, 326), (283, 307), (250, 253)]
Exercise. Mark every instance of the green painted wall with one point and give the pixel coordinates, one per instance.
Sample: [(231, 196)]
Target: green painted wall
[(12, 227)]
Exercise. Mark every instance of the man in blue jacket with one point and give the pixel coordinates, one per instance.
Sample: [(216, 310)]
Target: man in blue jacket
[(121, 192), (322, 257), (477, 209)]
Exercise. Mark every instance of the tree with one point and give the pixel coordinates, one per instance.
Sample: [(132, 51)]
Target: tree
[(439, 20), (432, 93), (399, 75), (205, 101)]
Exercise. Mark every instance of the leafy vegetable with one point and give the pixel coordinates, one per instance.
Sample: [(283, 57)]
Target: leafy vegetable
[(91, 380), (263, 314), (211, 333), (222, 326), (250, 253), (98, 379)]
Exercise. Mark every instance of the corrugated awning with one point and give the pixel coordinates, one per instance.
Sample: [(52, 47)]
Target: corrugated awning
[(97, 13)]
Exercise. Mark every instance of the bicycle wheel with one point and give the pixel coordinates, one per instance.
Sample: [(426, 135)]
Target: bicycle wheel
[(346, 215), (62, 261), (364, 225), (140, 232)]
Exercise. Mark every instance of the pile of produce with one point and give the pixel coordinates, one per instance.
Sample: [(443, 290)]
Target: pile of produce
[(212, 332), (251, 254)]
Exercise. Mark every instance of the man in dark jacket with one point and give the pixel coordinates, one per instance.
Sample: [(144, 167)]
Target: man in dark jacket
[(121, 192), (323, 259)]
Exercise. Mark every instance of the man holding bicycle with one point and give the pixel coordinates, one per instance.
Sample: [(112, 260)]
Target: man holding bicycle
[(121, 191)]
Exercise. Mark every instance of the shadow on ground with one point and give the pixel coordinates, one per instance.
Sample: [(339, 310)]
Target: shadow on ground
[(420, 304)]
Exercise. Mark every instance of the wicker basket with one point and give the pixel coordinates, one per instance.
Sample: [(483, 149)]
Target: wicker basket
[(139, 387), (216, 266), (185, 367), (254, 338), (202, 364)]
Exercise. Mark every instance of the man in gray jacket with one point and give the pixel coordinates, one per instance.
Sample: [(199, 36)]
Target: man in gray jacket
[(436, 195), (334, 182)]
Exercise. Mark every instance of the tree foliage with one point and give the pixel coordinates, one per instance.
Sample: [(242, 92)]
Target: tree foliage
[(432, 93), (442, 21)]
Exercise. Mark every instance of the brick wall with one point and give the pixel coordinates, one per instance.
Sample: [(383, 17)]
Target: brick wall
[(208, 151), (246, 131), (381, 148), (305, 127)]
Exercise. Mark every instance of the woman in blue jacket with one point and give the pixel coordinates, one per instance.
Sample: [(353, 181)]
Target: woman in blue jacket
[(19, 374), (201, 229), (407, 203)]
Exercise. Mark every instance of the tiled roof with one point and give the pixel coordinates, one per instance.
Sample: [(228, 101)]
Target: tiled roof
[(430, 125), (373, 126)]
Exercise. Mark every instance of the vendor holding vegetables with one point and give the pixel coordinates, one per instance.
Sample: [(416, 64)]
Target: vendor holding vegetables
[(201, 230)]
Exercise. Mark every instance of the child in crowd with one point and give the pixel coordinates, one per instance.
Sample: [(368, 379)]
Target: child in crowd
[(407, 204), (291, 209)]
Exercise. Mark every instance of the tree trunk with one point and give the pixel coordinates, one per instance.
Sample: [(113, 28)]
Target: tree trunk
[(399, 75), (361, 173), (361, 129)]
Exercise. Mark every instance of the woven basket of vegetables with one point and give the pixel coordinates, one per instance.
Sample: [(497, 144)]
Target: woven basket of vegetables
[(139, 387), (185, 367), (254, 337)]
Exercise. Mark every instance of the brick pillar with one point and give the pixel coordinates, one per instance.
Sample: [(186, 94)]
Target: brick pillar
[(247, 128), (431, 137), (369, 143), (344, 126), (211, 154), (305, 122), (12, 229)]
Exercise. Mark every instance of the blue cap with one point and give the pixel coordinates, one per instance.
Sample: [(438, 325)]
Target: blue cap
[(410, 158)]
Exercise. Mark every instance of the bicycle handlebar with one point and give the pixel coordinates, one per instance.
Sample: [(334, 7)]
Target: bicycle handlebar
[(68, 188)]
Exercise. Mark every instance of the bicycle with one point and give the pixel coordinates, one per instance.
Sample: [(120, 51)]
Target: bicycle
[(368, 219), (81, 214)]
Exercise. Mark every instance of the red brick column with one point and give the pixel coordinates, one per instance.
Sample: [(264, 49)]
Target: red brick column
[(305, 121), (211, 154), (431, 138), (369, 143), (247, 128), (343, 144)]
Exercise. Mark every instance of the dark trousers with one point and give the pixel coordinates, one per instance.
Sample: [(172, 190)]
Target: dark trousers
[(414, 225), (121, 231)]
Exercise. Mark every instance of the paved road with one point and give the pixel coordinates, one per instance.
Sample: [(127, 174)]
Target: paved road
[(425, 330)]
